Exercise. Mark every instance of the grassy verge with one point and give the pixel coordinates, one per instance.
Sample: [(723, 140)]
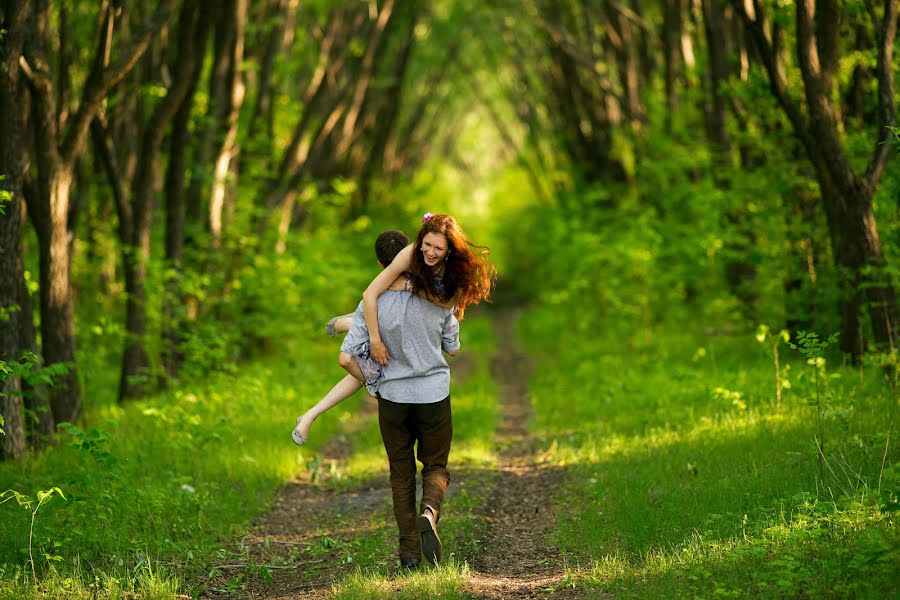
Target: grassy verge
[(692, 481)]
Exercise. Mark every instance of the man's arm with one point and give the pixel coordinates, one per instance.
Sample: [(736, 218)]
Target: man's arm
[(450, 335)]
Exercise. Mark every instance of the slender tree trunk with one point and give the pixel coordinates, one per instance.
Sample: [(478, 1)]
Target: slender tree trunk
[(365, 77), (627, 61), (644, 50), (228, 97), (176, 211), (39, 423), (671, 38), (740, 273), (384, 123), (262, 107)]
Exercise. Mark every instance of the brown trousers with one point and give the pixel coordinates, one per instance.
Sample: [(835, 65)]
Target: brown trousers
[(402, 425)]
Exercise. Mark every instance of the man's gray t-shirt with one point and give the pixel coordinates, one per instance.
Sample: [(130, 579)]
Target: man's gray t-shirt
[(414, 331)]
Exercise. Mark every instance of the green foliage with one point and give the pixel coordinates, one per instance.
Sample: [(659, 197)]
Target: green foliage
[(809, 344)]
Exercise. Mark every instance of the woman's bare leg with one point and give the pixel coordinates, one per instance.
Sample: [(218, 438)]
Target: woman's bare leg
[(345, 388), (349, 363)]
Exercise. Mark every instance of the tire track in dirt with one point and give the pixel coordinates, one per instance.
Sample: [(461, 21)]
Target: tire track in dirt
[(518, 558)]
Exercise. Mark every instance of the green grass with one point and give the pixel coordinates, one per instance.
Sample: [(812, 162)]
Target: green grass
[(445, 582), (690, 481)]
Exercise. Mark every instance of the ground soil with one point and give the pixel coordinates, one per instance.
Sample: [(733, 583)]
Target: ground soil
[(516, 555)]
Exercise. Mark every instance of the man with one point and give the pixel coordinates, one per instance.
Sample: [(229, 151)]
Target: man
[(414, 410)]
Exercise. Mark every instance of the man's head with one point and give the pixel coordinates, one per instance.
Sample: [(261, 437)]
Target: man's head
[(388, 244)]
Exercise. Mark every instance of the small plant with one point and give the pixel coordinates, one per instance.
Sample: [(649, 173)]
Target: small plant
[(809, 344), (32, 505), (94, 441), (763, 335)]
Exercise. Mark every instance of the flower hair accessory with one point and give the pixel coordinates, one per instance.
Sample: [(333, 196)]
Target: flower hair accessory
[(426, 216)]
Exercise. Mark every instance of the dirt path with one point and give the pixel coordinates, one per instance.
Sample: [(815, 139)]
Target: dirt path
[(518, 559), (285, 556)]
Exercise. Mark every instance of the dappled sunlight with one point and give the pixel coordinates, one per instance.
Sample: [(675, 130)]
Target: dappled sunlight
[(580, 447), (446, 581)]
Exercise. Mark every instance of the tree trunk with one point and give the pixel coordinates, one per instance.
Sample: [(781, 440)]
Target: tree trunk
[(627, 61), (671, 39), (740, 274), (273, 46), (39, 423), (57, 313), (847, 197), (227, 98), (12, 133), (136, 237), (176, 211)]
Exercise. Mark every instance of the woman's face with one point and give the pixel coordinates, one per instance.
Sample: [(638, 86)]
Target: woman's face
[(434, 248)]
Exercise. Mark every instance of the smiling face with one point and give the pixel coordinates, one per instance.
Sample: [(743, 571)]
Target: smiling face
[(434, 248)]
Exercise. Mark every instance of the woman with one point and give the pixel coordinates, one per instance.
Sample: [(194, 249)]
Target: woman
[(441, 266)]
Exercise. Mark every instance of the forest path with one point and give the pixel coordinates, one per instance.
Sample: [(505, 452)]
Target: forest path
[(518, 558), (285, 556)]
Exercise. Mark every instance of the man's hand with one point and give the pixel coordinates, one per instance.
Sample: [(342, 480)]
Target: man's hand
[(379, 352)]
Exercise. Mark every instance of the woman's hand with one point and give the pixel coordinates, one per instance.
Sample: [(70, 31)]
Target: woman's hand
[(379, 352)]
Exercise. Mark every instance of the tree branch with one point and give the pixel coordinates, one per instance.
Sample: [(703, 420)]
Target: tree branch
[(769, 56), (103, 147), (886, 32), (38, 80), (567, 45), (101, 81)]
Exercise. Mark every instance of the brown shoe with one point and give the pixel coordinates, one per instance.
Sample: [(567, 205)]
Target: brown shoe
[(431, 543)]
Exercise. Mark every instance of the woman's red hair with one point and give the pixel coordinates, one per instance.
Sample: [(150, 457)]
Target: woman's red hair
[(468, 275)]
